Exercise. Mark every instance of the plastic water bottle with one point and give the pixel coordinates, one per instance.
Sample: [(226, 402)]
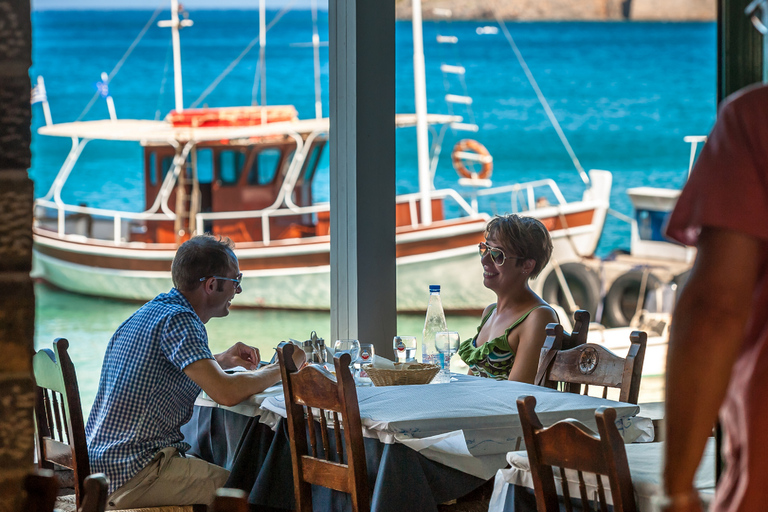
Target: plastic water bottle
[(434, 323)]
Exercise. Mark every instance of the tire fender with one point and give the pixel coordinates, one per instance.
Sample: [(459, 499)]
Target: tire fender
[(584, 284), (621, 300)]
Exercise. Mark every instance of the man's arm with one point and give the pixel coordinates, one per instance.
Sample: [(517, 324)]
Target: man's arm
[(229, 390), (706, 335)]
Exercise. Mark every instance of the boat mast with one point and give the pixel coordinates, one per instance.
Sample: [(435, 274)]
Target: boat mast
[(420, 100), (262, 56), (175, 24)]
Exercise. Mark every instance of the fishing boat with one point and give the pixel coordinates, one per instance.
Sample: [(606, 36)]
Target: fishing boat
[(638, 289), (247, 173)]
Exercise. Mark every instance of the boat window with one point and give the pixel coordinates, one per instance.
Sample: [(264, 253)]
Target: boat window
[(152, 170), (166, 165), (264, 168), (313, 161), (204, 165), (230, 166)]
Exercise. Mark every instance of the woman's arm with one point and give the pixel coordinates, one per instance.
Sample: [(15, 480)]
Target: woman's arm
[(532, 332)]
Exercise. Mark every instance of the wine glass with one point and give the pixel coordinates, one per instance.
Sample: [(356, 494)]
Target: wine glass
[(351, 347), (447, 343), (405, 348)]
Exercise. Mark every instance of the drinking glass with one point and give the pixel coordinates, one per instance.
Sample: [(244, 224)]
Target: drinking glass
[(447, 343), (405, 348), (352, 347), (367, 353)]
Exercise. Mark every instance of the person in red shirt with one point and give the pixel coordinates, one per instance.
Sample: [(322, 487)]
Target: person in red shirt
[(718, 347)]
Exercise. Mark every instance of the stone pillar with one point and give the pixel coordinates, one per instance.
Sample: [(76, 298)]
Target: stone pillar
[(17, 299)]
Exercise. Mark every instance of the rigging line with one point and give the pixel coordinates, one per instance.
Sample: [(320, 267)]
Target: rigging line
[(122, 60), (237, 60), (543, 100)]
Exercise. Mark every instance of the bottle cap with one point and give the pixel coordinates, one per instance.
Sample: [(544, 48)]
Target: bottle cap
[(434, 288)]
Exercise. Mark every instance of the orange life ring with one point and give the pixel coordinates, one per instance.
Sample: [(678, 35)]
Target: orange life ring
[(466, 145)]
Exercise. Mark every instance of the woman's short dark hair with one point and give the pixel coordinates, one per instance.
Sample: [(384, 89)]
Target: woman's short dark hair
[(201, 256), (522, 236)]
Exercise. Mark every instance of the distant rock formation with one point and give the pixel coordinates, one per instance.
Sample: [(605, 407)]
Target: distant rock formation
[(561, 10)]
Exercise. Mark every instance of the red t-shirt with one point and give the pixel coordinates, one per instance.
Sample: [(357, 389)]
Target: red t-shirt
[(728, 188)]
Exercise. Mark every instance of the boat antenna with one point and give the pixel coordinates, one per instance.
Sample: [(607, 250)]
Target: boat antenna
[(420, 101), (232, 65), (119, 64), (316, 55), (542, 100), (262, 58), (175, 24)]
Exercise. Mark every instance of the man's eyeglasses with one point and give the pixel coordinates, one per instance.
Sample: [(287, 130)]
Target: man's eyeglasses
[(237, 280), (497, 255)]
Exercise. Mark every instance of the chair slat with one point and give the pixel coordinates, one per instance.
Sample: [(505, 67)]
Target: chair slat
[(339, 442), (566, 490), (311, 429), (324, 434)]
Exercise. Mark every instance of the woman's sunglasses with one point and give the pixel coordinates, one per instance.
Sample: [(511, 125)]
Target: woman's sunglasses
[(497, 255)]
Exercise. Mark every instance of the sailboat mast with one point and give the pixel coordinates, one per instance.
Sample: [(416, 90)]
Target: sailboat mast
[(262, 57), (175, 24), (422, 136)]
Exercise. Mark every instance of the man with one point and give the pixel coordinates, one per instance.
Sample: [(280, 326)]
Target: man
[(718, 348), (155, 365)]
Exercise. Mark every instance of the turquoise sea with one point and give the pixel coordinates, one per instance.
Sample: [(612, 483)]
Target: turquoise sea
[(625, 95)]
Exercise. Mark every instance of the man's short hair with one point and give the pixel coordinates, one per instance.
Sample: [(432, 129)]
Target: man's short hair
[(522, 236), (201, 256)]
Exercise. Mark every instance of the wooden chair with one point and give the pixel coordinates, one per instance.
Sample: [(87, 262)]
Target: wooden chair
[(41, 487), (96, 491), (60, 429), (568, 444), (59, 416), (559, 339), (230, 500), (326, 398), (592, 364)]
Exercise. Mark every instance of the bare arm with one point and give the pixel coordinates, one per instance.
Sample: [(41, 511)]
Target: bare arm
[(706, 335), (229, 390), (533, 333)]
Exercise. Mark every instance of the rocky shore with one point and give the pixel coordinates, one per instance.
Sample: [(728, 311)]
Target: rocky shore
[(562, 10)]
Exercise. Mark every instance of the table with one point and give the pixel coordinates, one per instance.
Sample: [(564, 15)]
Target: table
[(513, 487), (424, 444)]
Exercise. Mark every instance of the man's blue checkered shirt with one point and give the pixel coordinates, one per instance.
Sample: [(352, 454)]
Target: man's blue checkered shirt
[(144, 396)]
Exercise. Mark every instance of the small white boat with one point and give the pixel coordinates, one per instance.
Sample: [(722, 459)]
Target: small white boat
[(247, 173)]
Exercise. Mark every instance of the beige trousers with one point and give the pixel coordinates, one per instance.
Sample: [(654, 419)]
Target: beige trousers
[(170, 479)]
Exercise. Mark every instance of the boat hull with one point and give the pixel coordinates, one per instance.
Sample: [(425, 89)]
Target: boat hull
[(292, 274)]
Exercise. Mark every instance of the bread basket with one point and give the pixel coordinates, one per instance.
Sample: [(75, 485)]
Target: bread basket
[(415, 373)]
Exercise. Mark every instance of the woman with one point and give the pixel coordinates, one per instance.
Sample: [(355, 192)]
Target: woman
[(512, 331)]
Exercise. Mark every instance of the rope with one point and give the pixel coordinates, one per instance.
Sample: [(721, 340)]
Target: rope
[(543, 100), (122, 60), (237, 60)]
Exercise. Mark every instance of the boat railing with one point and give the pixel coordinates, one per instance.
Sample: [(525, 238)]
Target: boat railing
[(117, 217), (524, 197), (120, 220)]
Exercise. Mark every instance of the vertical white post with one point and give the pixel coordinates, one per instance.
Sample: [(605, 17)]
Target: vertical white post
[(175, 25), (262, 56), (422, 135), (316, 52)]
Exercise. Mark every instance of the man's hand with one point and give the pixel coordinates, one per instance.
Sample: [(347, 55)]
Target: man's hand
[(239, 354)]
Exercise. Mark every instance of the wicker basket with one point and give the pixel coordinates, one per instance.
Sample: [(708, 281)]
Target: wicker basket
[(416, 373)]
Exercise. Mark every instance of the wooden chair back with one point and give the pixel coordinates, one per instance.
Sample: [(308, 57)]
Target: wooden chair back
[(559, 339), (312, 393), (590, 364), (230, 500), (58, 414), (41, 488), (568, 444)]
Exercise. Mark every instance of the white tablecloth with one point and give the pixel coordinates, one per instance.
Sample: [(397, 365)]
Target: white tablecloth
[(645, 466), (471, 424)]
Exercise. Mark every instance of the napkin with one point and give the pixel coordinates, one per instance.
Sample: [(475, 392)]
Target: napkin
[(382, 363)]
